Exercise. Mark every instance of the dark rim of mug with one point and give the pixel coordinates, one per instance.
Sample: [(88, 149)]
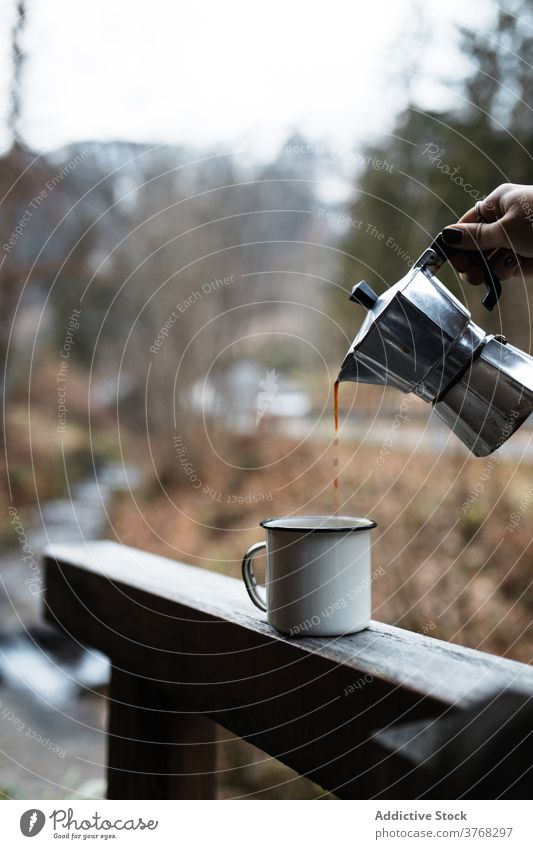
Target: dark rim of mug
[(369, 524)]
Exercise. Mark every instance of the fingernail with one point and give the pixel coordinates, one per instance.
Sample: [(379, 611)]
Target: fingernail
[(510, 261), (452, 235)]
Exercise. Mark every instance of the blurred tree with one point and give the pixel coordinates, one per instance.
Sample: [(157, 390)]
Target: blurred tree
[(18, 179), (194, 225), (17, 58), (436, 165)]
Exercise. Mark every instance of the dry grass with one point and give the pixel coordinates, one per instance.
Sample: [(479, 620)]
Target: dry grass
[(453, 571)]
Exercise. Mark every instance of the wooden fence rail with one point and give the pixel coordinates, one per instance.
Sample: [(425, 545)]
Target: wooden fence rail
[(363, 716)]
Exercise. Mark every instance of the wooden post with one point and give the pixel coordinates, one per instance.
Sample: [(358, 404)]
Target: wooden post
[(154, 751)]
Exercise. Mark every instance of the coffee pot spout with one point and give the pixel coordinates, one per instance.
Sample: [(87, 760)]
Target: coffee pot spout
[(359, 372), (356, 367)]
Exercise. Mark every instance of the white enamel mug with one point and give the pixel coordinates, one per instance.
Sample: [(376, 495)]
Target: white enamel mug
[(318, 579)]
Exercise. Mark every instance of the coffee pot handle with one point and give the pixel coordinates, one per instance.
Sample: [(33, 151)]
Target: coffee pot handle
[(494, 287), (249, 577)]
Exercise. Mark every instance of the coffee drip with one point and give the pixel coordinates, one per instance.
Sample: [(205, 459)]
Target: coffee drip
[(336, 445)]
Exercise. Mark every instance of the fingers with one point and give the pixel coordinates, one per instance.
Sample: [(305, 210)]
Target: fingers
[(477, 236), (469, 217), (460, 261), (494, 228), (485, 211), (474, 275), (470, 273), (504, 264), (491, 208), (525, 269)]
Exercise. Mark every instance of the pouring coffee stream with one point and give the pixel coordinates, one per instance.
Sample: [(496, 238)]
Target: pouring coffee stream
[(336, 445), (418, 337)]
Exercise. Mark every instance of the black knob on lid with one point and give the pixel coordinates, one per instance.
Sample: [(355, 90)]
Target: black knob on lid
[(363, 294)]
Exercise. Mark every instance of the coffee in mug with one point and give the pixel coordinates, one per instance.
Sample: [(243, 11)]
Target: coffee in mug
[(318, 574)]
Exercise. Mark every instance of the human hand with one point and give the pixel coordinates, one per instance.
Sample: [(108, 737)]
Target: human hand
[(501, 226)]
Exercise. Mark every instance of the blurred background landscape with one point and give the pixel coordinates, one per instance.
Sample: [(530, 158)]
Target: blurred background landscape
[(186, 201)]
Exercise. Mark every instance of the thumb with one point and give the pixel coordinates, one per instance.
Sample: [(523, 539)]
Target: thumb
[(476, 237)]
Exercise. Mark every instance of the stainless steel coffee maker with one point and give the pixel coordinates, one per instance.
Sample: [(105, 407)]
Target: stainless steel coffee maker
[(418, 337)]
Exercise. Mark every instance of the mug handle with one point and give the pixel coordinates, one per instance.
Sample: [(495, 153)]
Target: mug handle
[(249, 577)]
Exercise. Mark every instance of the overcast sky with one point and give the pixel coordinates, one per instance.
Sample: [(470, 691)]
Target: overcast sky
[(235, 74)]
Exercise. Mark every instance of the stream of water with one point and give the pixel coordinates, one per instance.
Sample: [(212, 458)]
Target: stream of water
[(52, 714)]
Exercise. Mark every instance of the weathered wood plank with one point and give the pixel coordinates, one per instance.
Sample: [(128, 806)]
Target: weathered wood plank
[(445, 671), (313, 703)]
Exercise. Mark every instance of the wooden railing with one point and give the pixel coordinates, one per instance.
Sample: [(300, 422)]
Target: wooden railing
[(368, 715)]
